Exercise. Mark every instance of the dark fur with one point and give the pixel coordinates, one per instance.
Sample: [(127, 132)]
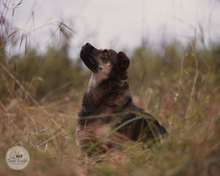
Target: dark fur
[(107, 104)]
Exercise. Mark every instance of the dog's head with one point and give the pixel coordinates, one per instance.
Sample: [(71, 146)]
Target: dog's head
[(105, 63)]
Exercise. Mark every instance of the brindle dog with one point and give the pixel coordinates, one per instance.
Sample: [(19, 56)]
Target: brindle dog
[(108, 116)]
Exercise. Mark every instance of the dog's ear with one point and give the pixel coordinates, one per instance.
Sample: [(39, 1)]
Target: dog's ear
[(123, 60)]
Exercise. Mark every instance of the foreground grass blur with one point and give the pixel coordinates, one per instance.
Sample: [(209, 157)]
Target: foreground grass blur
[(41, 97), (181, 91)]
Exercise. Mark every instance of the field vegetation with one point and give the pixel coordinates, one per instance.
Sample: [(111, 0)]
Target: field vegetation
[(40, 97)]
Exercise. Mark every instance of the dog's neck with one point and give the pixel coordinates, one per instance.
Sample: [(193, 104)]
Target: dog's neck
[(107, 97), (95, 80)]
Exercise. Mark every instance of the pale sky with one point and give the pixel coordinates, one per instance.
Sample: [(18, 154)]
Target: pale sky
[(118, 24)]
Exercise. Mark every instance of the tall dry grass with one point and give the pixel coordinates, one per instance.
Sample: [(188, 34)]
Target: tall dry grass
[(41, 95)]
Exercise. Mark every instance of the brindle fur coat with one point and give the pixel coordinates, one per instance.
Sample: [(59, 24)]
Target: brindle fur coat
[(108, 117)]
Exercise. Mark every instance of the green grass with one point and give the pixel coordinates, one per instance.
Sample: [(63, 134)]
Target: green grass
[(184, 98), (41, 96)]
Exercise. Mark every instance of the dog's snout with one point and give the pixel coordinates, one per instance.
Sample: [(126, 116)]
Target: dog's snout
[(88, 44)]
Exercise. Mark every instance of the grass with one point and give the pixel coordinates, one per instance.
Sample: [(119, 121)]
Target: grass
[(180, 86), (185, 101)]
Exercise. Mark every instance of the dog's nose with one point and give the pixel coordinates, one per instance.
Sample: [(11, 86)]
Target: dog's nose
[(88, 45)]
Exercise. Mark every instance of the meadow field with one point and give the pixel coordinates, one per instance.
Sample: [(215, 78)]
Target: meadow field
[(41, 94)]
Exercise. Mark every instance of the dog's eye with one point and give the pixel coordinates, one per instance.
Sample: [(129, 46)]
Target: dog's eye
[(105, 52)]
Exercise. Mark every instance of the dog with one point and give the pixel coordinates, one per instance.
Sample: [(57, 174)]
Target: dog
[(109, 117)]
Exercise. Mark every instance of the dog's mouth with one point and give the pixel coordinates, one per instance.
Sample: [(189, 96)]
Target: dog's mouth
[(87, 57)]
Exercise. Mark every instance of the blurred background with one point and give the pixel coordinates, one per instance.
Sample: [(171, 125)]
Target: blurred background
[(42, 39), (174, 48), (116, 24)]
